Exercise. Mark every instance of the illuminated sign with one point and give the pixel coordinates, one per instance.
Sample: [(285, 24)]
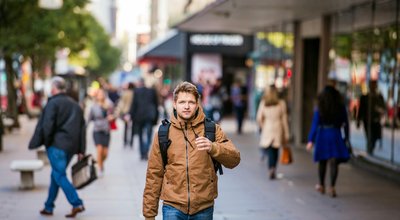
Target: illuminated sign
[(216, 40)]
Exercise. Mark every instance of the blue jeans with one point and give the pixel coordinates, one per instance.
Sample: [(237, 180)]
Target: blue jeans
[(145, 132), (273, 154), (171, 213), (59, 160)]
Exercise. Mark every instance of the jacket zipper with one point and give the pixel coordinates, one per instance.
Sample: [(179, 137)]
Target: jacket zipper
[(187, 169)]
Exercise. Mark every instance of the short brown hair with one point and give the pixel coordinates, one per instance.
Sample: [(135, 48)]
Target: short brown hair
[(188, 88)]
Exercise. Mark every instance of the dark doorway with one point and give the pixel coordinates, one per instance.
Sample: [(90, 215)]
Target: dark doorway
[(310, 82), (231, 67)]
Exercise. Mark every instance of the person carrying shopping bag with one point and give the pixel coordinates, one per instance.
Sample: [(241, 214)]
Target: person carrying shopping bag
[(272, 119), (101, 114)]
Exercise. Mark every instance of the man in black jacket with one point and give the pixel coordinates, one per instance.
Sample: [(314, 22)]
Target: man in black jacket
[(144, 115), (62, 131), (372, 109)]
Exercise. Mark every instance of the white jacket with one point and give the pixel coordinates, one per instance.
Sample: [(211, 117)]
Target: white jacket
[(274, 124)]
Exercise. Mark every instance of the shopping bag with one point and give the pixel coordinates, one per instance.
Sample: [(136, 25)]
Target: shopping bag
[(113, 125), (286, 156), (84, 172)]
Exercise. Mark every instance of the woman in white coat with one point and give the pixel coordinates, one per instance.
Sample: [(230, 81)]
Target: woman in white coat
[(272, 119)]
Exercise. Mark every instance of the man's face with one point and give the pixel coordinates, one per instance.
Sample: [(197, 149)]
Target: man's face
[(186, 106)]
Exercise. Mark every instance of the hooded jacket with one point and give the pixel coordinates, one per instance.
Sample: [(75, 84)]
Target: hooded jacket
[(189, 182)]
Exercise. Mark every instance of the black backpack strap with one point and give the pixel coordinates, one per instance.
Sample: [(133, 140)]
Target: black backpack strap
[(209, 127), (163, 140)]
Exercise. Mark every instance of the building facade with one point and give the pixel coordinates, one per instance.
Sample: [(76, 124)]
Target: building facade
[(354, 42)]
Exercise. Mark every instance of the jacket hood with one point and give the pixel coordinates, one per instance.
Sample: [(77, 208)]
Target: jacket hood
[(197, 119)]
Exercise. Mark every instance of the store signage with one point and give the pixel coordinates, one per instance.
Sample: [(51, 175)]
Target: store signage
[(216, 40)]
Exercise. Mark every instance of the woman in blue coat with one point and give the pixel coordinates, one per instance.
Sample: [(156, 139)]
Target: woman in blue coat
[(330, 117)]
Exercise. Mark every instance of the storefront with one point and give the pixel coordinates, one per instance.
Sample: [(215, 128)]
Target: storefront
[(364, 49), (166, 56), (354, 41), (212, 56), (272, 61)]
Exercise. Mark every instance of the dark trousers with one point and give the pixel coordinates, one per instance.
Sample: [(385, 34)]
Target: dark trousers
[(145, 132), (334, 169), (239, 113), (273, 154), (373, 134), (126, 130), (133, 131)]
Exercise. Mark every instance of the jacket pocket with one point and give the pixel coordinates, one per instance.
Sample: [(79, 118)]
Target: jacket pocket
[(166, 186), (205, 190)]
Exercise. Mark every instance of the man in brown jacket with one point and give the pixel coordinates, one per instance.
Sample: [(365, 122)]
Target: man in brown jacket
[(188, 184)]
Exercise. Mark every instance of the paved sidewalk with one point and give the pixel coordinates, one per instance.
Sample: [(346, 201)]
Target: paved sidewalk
[(244, 193)]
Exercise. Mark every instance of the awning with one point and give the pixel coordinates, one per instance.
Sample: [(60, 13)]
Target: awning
[(168, 48), (249, 16)]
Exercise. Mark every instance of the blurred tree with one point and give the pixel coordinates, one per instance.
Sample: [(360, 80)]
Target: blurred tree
[(342, 45), (37, 34), (103, 58)]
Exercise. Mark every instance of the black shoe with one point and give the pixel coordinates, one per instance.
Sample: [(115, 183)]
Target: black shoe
[(272, 175), (332, 192), (75, 211), (46, 213)]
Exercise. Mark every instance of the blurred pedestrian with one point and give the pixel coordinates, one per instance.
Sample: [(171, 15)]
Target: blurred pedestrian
[(371, 110), (239, 100), (217, 97), (206, 99), (110, 90), (187, 183), (325, 135), (37, 99), (122, 111), (165, 97), (62, 131), (144, 115), (272, 119), (101, 114)]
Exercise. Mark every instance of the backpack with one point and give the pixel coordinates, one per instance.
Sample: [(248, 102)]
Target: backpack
[(164, 141)]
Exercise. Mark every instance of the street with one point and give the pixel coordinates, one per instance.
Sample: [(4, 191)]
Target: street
[(244, 192)]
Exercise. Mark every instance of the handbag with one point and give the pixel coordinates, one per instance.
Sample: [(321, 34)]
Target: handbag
[(84, 172), (286, 157), (350, 150)]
